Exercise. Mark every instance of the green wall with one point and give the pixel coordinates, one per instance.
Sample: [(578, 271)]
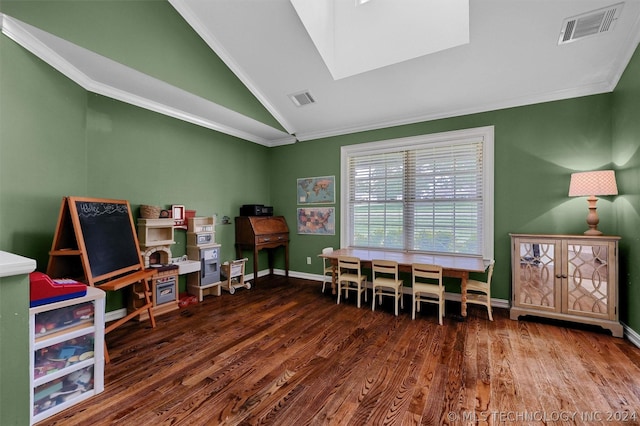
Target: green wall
[(56, 139), (101, 147), (536, 149), (59, 140), (626, 157), (147, 35), (42, 149), (14, 350), (147, 158)]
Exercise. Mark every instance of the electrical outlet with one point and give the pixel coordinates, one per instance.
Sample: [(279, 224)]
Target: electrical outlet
[(308, 260)]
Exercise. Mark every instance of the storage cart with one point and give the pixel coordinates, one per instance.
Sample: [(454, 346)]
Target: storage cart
[(233, 273)]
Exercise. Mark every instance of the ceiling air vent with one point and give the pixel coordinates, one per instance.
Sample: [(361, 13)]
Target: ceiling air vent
[(302, 98), (589, 24)]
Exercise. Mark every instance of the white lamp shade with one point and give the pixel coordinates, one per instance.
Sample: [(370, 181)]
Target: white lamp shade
[(601, 182)]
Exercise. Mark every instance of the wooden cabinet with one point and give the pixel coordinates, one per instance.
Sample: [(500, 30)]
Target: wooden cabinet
[(566, 277), (66, 360), (257, 233)]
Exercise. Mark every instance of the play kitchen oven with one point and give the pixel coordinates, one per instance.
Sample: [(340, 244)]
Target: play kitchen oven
[(164, 292)]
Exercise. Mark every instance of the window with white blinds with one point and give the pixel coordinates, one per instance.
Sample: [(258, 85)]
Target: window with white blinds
[(430, 194)]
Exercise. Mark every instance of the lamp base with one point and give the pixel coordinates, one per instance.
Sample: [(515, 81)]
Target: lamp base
[(592, 217)]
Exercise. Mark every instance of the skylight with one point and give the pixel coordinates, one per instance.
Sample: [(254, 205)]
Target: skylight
[(352, 39)]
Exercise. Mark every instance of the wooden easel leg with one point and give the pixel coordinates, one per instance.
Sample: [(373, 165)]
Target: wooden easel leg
[(107, 360), (149, 303)]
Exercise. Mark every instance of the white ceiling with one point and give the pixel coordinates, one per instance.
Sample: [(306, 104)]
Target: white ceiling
[(356, 36), (513, 59)]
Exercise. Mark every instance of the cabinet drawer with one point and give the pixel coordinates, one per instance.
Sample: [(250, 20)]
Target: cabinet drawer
[(53, 323), (272, 238), (63, 391), (57, 357)]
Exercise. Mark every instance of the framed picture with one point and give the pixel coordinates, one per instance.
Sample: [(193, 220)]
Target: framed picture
[(316, 190), (177, 213), (316, 221)]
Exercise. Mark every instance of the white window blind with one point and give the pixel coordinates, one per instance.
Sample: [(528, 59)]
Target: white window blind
[(377, 200), (429, 195)]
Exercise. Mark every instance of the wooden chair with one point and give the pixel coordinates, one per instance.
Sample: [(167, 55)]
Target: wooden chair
[(385, 282), (479, 292), (350, 278), (327, 268), (427, 287)]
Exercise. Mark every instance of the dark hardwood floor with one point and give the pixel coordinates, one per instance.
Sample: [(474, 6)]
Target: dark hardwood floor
[(282, 353)]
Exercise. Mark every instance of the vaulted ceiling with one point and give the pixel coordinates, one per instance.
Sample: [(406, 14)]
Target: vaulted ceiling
[(384, 63), (513, 58)]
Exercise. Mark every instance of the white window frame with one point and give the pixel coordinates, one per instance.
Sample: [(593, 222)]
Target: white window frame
[(486, 134)]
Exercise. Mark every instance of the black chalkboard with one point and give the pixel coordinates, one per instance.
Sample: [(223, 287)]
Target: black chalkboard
[(110, 242)]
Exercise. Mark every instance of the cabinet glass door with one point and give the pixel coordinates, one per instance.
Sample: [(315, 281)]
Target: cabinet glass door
[(536, 275), (589, 279)]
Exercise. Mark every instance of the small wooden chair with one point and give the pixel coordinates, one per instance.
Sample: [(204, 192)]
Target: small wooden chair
[(350, 278), (385, 282), (479, 292), (327, 268), (427, 287)]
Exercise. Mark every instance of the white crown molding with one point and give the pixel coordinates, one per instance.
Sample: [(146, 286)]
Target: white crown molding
[(604, 87), (98, 74), (625, 55), (192, 19)]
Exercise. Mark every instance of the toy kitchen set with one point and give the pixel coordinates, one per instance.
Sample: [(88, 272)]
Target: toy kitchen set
[(201, 247), (155, 236)]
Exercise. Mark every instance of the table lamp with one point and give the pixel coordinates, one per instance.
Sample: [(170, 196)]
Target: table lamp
[(590, 184)]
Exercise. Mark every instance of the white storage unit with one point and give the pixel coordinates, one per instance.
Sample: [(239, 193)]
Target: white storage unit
[(66, 354)]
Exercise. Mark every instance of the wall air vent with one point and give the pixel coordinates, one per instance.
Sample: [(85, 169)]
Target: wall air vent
[(302, 98), (589, 24)]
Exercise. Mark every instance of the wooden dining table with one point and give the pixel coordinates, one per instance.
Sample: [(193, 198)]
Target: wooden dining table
[(455, 266)]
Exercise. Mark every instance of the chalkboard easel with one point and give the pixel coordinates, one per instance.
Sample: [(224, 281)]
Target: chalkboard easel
[(96, 243)]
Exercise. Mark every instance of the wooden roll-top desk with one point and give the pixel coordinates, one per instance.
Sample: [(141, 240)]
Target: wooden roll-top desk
[(257, 233)]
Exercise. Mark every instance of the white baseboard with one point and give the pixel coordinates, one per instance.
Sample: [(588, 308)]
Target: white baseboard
[(629, 333), (115, 315), (498, 303)]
